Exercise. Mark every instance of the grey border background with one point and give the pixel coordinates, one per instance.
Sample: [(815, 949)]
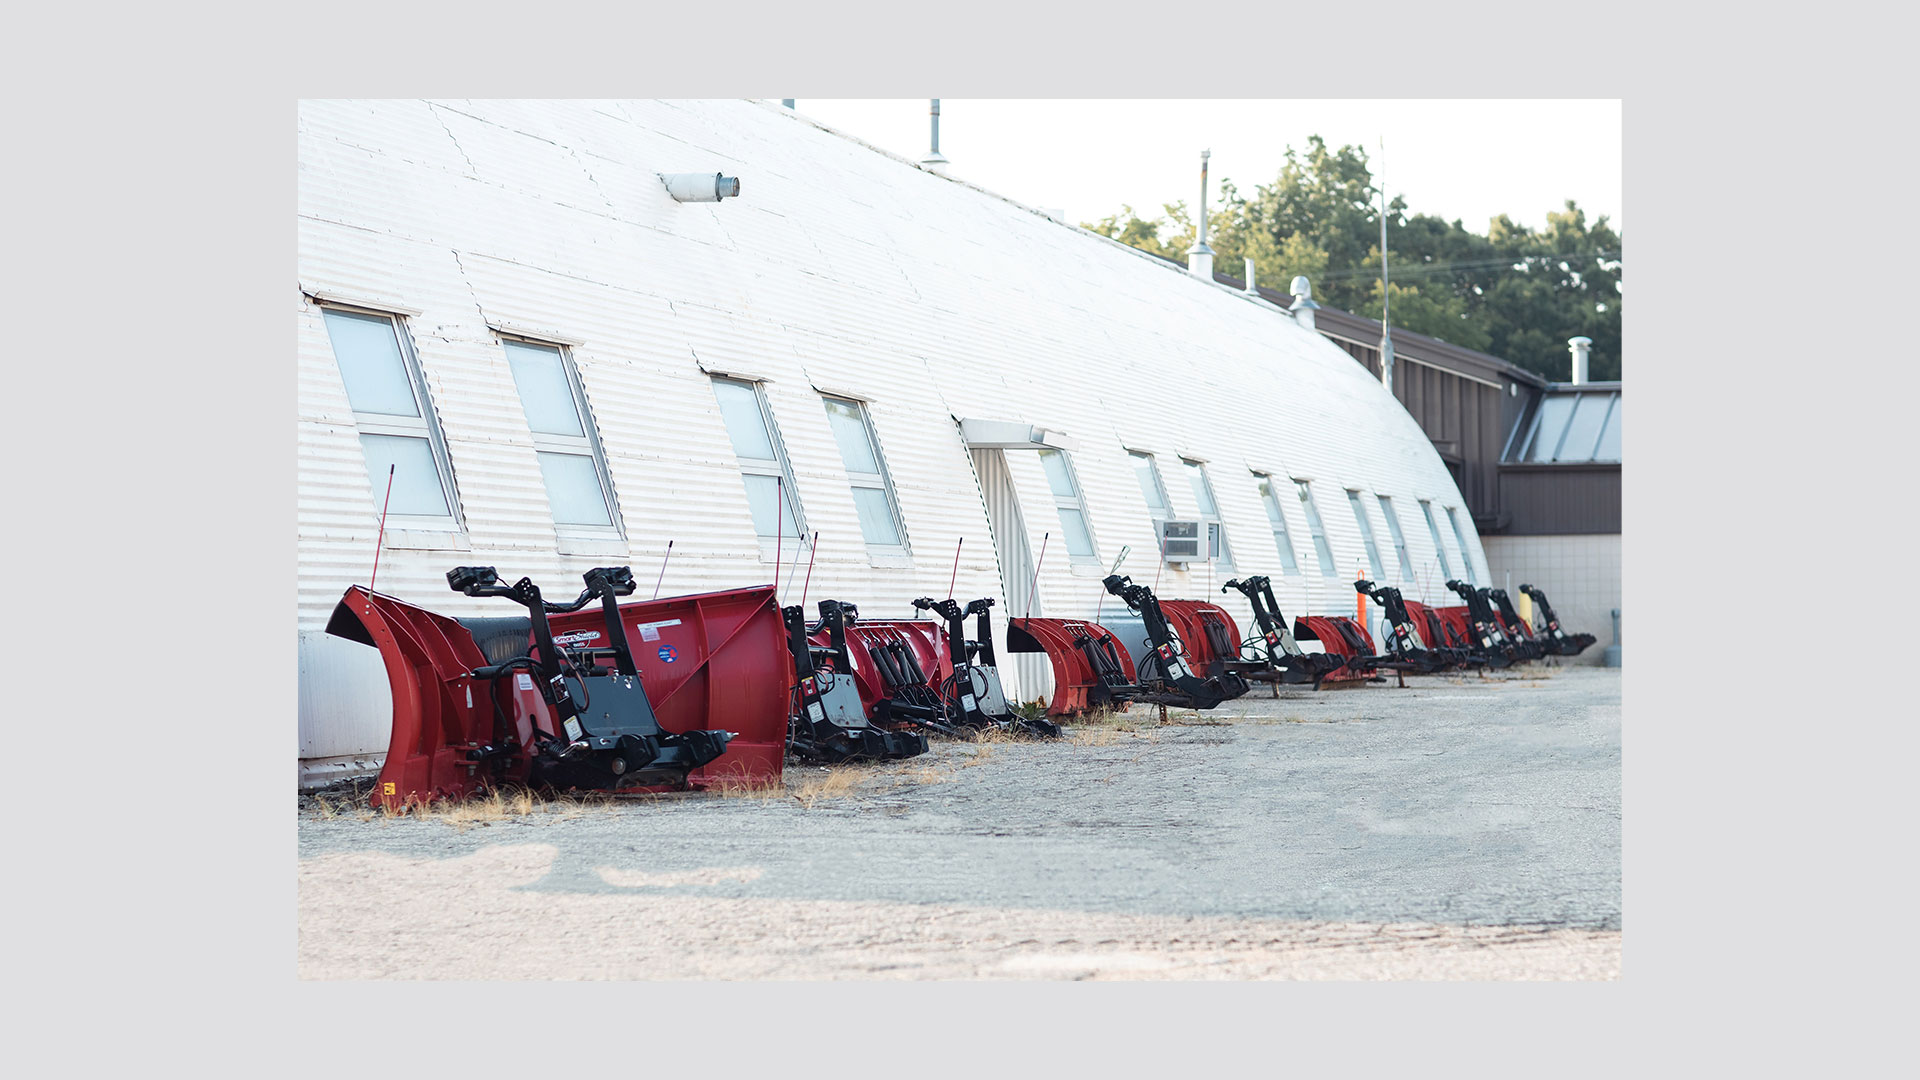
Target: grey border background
[(151, 234)]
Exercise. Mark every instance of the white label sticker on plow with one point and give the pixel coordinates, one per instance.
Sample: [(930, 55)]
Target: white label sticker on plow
[(523, 680), (573, 729), (814, 710), (650, 631)]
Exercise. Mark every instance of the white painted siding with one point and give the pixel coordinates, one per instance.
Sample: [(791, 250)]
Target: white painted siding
[(839, 269)]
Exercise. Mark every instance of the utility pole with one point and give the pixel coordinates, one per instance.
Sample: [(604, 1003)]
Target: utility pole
[(1386, 326)]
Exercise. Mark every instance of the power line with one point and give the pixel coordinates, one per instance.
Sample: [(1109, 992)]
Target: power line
[(1421, 269)]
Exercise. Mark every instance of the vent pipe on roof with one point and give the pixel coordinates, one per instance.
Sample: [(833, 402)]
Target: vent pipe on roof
[(1200, 256), (1303, 305), (1579, 347), (933, 161), (1251, 290), (700, 187)]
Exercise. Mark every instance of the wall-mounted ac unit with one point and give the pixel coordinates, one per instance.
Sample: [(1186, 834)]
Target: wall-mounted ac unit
[(1183, 541), (1189, 541)]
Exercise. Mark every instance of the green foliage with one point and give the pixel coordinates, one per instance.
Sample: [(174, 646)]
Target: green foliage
[(1514, 292)]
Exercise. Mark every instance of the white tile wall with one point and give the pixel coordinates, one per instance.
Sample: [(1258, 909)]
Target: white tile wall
[(1580, 575)]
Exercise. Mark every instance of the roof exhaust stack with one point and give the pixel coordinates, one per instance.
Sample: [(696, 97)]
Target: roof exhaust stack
[(1200, 256), (700, 187), (1251, 290), (1303, 305), (933, 162), (1579, 347)]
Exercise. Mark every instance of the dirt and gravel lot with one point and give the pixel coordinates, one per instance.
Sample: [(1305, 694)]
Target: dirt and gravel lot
[(1459, 828)]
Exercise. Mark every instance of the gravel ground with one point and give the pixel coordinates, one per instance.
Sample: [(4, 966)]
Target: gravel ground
[(1458, 828)]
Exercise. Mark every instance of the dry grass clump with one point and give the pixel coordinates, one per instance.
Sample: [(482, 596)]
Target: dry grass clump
[(750, 789), (484, 808), (1104, 727), (1195, 718), (839, 782), (980, 756), (1128, 719), (1009, 734), (926, 774)]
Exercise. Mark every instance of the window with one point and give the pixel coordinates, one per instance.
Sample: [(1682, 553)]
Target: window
[(1439, 549), (867, 471), (1399, 538), (394, 417), (1583, 431), (1609, 447), (1366, 534), (579, 491), (1572, 426), (1066, 499), (1209, 510), (1319, 530), (1148, 473), (763, 464), (1282, 539), (1552, 423), (1466, 557)]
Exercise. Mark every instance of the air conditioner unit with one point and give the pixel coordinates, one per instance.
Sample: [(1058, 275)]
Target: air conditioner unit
[(1183, 541)]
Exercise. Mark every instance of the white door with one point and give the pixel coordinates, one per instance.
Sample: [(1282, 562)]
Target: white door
[(1026, 675)]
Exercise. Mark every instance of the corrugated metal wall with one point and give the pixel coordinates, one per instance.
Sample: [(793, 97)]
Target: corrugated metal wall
[(839, 269), (1547, 500)]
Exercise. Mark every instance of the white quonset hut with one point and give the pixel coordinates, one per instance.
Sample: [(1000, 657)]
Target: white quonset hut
[(567, 367)]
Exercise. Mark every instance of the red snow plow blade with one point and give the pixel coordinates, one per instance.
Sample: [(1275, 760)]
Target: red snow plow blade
[(1340, 636), (1458, 622), (1431, 627), (1091, 669), (899, 666), (1209, 633), (440, 714), (1441, 635), (715, 662)]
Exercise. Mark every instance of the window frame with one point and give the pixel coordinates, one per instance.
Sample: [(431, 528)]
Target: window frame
[(881, 481), (1322, 547), (544, 442), (1165, 510), (1439, 545), (1077, 502), (1356, 499), (780, 467), (1460, 538), (1199, 467), (425, 425), (1282, 532), (1399, 537)]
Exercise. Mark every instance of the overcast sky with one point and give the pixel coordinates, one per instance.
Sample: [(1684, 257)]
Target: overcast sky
[(1470, 160)]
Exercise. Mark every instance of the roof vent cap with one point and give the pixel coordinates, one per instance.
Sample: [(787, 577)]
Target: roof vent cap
[(1579, 347), (1303, 305)]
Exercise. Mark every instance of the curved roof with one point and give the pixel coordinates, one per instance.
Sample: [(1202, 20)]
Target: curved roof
[(839, 269)]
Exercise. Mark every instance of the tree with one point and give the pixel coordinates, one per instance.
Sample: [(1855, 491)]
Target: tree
[(1513, 292)]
